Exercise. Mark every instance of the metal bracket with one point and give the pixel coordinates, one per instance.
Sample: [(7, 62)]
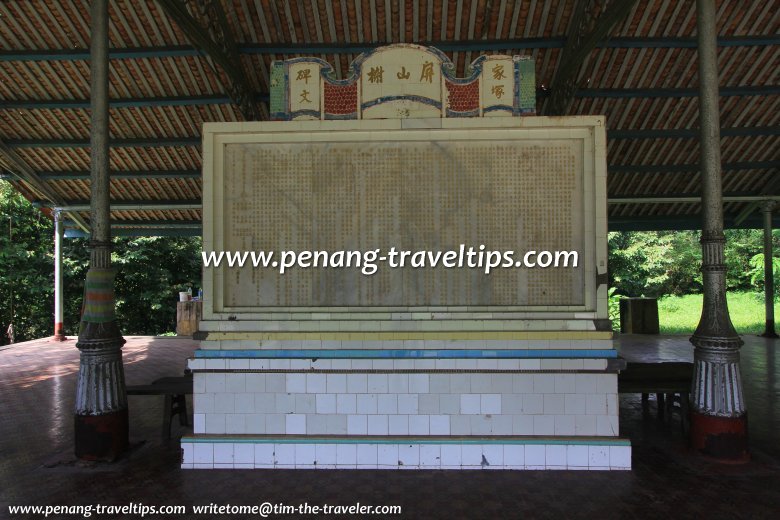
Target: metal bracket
[(36, 184), (592, 21), (205, 24)]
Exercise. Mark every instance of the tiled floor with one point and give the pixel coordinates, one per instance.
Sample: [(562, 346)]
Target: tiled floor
[(37, 387)]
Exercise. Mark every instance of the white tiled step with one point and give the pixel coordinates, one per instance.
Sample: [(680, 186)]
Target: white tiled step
[(248, 453)]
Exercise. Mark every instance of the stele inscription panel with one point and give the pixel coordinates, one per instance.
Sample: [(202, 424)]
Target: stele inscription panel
[(433, 193)]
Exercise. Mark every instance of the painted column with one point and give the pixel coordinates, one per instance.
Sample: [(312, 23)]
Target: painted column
[(718, 416), (769, 281), (59, 231), (101, 425)]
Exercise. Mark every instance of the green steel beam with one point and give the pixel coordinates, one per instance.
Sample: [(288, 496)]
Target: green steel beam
[(83, 104), (686, 133), (196, 174), (683, 222), (664, 223), (174, 224), (30, 178), (554, 42), (114, 143), (140, 232), (125, 205), (146, 174), (691, 133), (689, 168)]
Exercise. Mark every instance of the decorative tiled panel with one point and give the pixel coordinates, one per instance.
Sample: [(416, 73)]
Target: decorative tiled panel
[(463, 99), (367, 453), (278, 93), (527, 87), (341, 101), (402, 81)]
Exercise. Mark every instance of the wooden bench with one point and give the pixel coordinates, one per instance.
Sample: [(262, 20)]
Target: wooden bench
[(175, 390), (663, 379)]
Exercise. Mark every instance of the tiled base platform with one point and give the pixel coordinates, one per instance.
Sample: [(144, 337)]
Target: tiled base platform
[(517, 453), (545, 406)]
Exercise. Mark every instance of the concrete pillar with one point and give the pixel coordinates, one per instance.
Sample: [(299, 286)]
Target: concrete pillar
[(101, 425), (718, 415), (59, 232), (769, 280)]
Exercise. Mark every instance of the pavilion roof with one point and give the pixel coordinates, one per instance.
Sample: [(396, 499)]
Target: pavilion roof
[(641, 73)]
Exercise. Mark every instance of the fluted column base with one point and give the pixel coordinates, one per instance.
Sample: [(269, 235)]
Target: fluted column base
[(101, 419), (101, 383), (717, 385), (719, 415)]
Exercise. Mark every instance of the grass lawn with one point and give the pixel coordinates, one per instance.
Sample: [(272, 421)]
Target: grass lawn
[(680, 314)]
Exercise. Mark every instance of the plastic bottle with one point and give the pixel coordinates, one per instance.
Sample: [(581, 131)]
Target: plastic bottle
[(200, 294), (189, 293)]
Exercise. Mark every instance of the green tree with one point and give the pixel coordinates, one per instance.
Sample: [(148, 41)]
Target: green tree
[(669, 262), (650, 263), (151, 272), (757, 272), (26, 268), (742, 247)]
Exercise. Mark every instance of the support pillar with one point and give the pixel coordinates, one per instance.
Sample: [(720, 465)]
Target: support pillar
[(769, 279), (101, 424), (719, 415), (59, 232)]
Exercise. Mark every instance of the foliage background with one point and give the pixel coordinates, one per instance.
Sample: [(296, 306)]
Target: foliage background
[(152, 270), (660, 263)]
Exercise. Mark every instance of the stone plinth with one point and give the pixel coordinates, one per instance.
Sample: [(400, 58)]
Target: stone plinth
[(406, 368)]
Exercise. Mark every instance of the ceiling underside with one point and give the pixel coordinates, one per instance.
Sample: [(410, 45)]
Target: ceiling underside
[(162, 89)]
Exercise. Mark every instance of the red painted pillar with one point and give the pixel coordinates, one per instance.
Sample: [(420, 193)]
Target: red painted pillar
[(59, 330)]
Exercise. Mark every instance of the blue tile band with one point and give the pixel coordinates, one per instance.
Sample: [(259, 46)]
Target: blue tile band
[(405, 354)]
